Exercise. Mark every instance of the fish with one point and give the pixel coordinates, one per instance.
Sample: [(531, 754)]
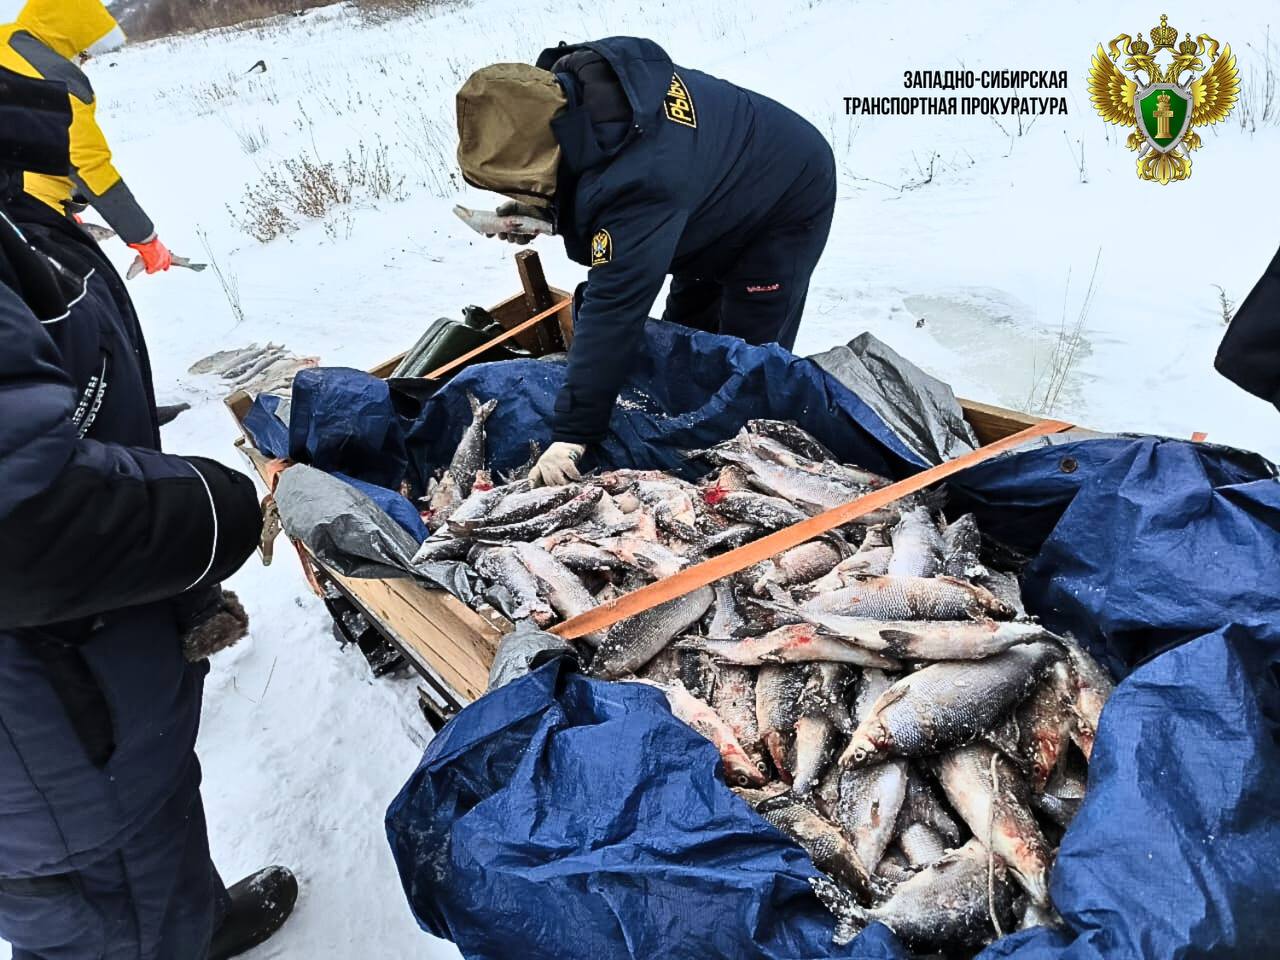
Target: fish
[(566, 515), (647, 556), (672, 507), (469, 456), (1003, 586), (97, 231), (822, 715), (519, 503), (633, 642), (484, 497), (988, 793), (1093, 686), (826, 846), (757, 509), (566, 593), (909, 598), (947, 704), (894, 867), (734, 698), (224, 360), (582, 556), (921, 845), (949, 905), (490, 224), (739, 768), (726, 619), (794, 437), (502, 567), (1045, 722), (436, 549), (917, 546), (961, 545), (923, 805), (931, 639), (871, 559), (444, 499), (865, 801), (778, 689), (1061, 798), (794, 643), (800, 564)]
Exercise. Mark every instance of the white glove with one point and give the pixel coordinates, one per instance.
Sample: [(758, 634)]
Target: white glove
[(513, 208), (558, 466)]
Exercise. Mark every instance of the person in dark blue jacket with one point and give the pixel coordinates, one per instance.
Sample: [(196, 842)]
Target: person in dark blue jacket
[(647, 169), (110, 556)]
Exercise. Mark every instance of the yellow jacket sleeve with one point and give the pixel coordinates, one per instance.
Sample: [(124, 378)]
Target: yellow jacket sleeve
[(97, 178)]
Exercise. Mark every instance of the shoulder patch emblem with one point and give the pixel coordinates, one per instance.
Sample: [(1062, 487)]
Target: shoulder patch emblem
[(601, 248), (678, 104)]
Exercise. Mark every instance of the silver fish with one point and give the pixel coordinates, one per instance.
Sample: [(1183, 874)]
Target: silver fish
[(517, 504), (800, 564), (734, 699), (567, 595), (826, 846), (778, 689), (948, 704), (923, 805), (490, 224), (948, 905), (794, 643), (931, 639), (633, 642), (909, 598), (921, 845), (726, 618), (822, 714), (917, 546), (565, 515), (469, 457), (961, 544), (649, 557), (739, 768), (502, 566), (792, 436), (1045, 722), (1093, 688), (865, 801), (760, 510), (1003, 586), (988, 793)]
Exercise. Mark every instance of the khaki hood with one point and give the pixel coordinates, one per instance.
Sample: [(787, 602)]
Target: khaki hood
[(505, 143), (68, 27)]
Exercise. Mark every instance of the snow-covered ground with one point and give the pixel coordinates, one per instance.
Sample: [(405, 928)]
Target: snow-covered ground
[(302, 751)]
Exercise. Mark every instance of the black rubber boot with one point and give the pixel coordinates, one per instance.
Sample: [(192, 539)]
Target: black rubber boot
[(260, 904)]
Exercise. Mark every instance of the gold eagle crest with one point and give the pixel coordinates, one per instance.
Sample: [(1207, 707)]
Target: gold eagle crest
[(1165, 109)]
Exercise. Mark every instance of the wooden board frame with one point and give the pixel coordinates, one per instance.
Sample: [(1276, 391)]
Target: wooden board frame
[(449, 644)]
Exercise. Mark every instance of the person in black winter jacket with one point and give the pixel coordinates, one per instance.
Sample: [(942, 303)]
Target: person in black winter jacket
[(647, 169), (111, 552), (1249, 355)]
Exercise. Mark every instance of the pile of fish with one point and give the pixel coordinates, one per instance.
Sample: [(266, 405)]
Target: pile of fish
[(879, 693), (255, 369)]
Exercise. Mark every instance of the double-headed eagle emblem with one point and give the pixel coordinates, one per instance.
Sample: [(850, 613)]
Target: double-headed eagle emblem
[(1165, 109)]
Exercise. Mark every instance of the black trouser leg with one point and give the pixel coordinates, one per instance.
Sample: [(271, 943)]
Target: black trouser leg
[(694, 303)]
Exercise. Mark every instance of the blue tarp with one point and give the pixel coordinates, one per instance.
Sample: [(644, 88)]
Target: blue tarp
[(563, 816)]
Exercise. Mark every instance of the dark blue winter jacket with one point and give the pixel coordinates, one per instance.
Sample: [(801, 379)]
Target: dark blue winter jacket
[(678, 176), (101, 535)]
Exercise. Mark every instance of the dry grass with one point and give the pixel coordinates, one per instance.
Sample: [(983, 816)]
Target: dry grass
[(164, 18), (380, 11), (305, 188), (1068, 347)]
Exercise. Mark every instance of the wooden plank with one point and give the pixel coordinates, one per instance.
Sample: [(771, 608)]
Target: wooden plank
[(513, 333), (991, 423), (457, 662), (537, 298), (727, 564)]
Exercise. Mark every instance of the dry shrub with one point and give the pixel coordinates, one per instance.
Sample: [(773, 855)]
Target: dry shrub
[(304, 188), (164, 18), (380, 11)]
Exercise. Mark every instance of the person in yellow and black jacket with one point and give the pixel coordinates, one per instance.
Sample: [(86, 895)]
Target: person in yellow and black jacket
[(45, 41)]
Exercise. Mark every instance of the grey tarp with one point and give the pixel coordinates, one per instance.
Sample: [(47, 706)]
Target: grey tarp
[(920, 409)]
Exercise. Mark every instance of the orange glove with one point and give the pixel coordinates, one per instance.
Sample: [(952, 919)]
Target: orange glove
[(155, 255)]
